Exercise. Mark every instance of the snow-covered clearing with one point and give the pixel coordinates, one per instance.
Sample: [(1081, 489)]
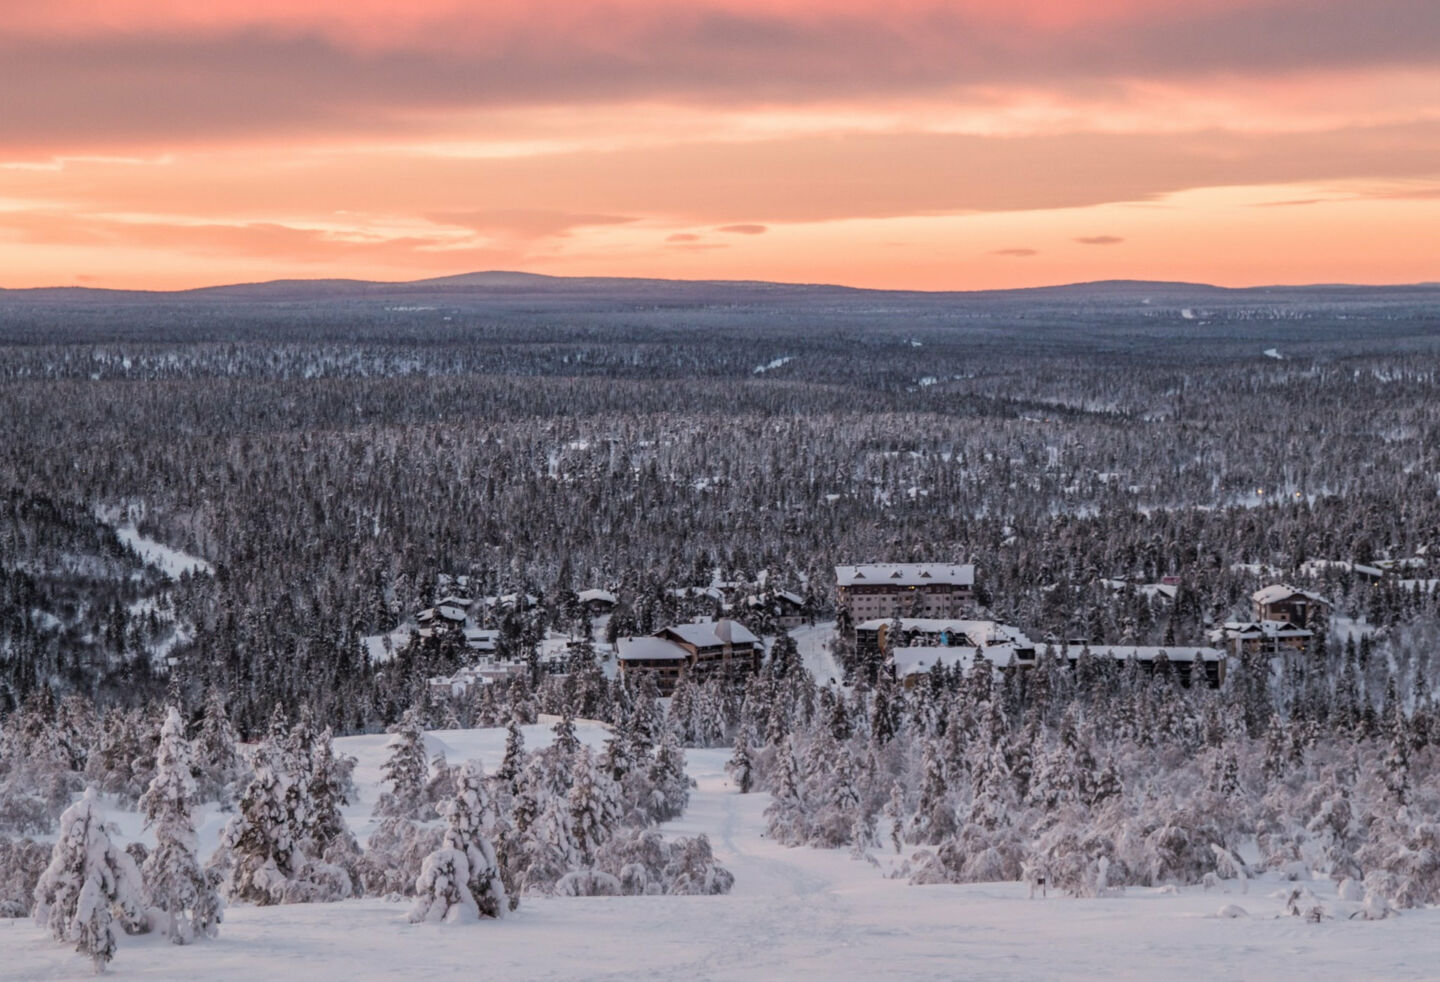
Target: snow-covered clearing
[(813, 643), (170, 561), (793, 914)]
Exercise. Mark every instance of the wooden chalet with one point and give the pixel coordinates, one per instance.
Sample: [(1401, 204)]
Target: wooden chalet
[(690, 651), (1300, 608)]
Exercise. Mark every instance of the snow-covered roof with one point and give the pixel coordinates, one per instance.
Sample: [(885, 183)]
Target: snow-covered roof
[(905, 574), (1277, 592), (444, 612), (1317, 567), (978, 632), (684, 592), (1124, 652), (648, 649), (707, 634), (921, 658), (480, 638), (1250, 630), (596, 596), (452, 600)]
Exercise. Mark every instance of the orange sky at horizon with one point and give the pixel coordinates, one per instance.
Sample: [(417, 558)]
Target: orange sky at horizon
[(968, 144)]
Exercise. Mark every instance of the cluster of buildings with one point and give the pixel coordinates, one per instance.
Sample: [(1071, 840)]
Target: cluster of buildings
[(913, 614), (911, 617)]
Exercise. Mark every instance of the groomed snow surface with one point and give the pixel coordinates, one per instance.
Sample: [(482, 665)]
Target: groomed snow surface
[(793, 914)]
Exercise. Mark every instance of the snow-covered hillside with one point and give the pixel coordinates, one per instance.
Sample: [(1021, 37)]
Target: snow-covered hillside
[(793, 914)]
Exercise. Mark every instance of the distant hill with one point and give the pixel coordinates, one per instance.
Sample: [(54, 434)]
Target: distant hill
[(506, 285)]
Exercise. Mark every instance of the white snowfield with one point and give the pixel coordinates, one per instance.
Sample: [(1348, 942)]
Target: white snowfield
[(170, 561), (793, 914)]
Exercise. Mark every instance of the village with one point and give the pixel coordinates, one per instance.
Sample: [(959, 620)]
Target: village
[(901, 619)]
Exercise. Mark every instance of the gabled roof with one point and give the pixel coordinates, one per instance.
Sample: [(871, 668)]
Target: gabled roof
[(595, 596), (1278, 592), (649, 649), (707, 634), (905, 574), (977, 632)]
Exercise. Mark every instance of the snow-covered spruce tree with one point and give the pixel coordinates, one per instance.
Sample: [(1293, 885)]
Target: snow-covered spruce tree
[(218, 765), (440, 891), (460, 881), (514, 758), (895, 816), (934, 818), (670, 785), (89, 884), (258, 852), (741, 766), (787, 820), (330, 785), (594, 807), (175, 884), (408, 770), (546, 849), (470, 820)]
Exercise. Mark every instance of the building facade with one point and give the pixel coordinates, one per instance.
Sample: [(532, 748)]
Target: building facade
[(880, 590)]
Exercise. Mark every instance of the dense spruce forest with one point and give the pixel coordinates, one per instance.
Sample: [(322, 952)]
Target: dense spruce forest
[(211, 501), (331, 447)]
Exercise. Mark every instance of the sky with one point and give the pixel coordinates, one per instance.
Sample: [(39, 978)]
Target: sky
[(968, 144)]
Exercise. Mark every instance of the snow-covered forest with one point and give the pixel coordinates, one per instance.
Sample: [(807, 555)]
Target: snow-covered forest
[(209, 503)]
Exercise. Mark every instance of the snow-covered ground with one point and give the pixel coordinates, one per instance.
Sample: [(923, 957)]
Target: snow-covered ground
[(172, 562), (813, 643), (793, 914)]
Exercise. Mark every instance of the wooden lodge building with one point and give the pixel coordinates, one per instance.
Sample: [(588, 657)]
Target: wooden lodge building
[(873, 590), (1300, 608), (690, 651)]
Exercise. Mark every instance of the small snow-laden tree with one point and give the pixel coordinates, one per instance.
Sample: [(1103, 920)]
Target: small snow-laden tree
[(21, 863), (258, 854), (89, 884), (692, 870), (441, 893), (394, 855), (644, 863), (514, 758), (218, 764), (934, 819), (1402, 862), (175, 884), (670, 787), (330, 785), (547, 849), (470, 821), (787, 820), (125, 760), (1075, 856), (741, 766), (833, 823), (1332, 838), (594, 807), (407, 769), (895, 816)]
